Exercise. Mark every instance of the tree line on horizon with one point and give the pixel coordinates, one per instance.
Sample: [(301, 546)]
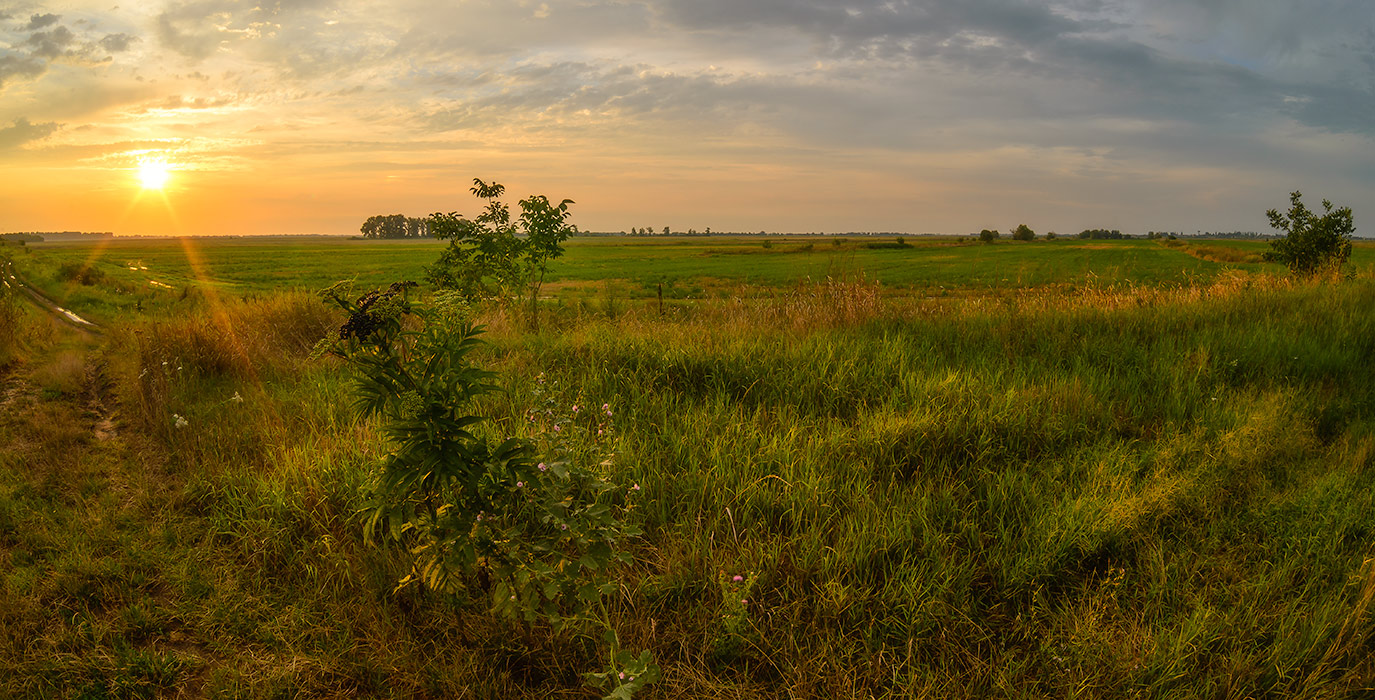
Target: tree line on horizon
[(395, 226)]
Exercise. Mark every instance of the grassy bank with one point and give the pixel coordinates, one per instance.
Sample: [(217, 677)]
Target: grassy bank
[(1145, 491)]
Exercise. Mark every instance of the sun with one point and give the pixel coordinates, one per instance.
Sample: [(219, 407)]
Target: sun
[(153, 174)]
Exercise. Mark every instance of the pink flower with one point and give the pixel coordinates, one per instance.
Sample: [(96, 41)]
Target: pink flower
[(543, 467), (563, 526), (575, 408), (520, 484), (738, 578), (557, 428), (744, 602), (599, 431)]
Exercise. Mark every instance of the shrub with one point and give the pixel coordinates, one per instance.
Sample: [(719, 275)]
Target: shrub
[(1311, 243), (82, 274), (484, 518), (988, 236), (492, 256)]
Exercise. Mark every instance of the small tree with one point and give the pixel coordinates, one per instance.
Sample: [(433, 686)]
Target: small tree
[(1023, 233), (1051, 235), (988, 236), (492, 256), (1311, 243), (534, 536)]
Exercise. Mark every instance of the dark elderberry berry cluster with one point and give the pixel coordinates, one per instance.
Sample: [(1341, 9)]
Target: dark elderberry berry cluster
[(364, 322)]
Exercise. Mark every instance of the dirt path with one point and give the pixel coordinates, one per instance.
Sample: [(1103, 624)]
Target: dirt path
[(93, 560), (10, 278)]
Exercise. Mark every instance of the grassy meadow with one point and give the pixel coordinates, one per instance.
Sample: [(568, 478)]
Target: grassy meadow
[(108, 279), (1053, 469)]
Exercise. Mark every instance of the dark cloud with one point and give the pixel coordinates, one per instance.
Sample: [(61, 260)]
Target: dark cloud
[(23, 132), (1091, 43), (41, 21), (51, 44), (117, 43), (14, 65)]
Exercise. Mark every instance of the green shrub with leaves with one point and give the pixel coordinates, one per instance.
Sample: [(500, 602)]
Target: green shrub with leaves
[(492, 256), (1311, 243), (486, 519)]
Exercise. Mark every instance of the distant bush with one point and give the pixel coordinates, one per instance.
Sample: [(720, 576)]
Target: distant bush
[(988, 236), (898, 244), (1023, 233), (1101, 234), (77, 272), (1311, 243)]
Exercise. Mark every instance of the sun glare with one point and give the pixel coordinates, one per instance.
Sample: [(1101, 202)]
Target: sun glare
[(153, 174)]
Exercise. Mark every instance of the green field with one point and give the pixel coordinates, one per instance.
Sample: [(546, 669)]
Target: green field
[(1091, 469), (149, 274)]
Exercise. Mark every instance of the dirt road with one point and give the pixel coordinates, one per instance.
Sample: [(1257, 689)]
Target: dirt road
[(10, 278)]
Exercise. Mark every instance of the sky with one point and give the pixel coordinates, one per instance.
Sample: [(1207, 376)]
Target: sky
[(921, 116)]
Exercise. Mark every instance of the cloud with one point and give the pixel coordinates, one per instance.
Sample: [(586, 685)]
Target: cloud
[(14, 65), (51, 44), (117, 43), (23, 132), (41, 21)]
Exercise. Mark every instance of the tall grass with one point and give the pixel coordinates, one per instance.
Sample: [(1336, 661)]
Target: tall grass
[(1104, 492)]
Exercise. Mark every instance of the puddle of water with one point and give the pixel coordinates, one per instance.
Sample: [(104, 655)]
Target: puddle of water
[(73, 316)]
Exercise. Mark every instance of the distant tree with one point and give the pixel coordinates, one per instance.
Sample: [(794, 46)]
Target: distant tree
[(1023, 233), (988, 236), (1311, 243), (1050, 235), (665, 230), (708, 232), (1100, 234), (395, 226)]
